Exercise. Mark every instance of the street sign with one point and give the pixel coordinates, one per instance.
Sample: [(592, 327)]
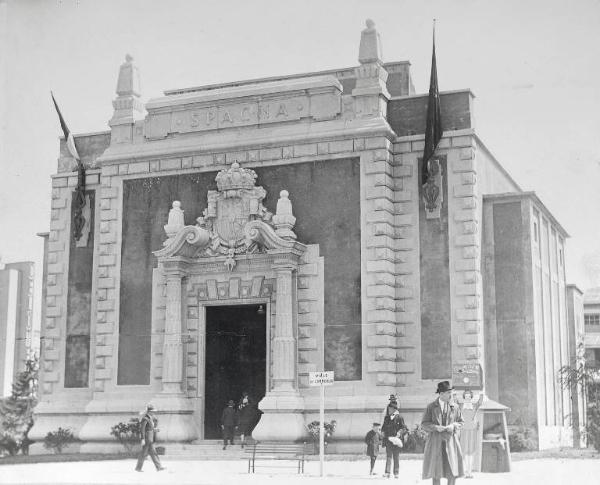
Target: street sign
[(324, 378), (321, 379)]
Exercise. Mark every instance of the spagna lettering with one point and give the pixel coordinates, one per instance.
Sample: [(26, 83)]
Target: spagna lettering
[(240, 115)]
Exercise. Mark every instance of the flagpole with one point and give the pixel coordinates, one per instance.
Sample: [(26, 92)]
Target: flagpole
[(79, 196)]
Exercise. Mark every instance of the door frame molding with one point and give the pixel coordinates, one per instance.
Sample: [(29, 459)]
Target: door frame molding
[(201, 349)]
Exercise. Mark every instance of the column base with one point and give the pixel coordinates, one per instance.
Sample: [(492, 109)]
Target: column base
[(283, 418)]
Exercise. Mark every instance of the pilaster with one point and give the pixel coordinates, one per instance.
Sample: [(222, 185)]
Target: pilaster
[(464, 225), (172, 368), (389, 225)]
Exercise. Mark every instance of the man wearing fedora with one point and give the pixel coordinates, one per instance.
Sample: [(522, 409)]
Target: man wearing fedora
[(148, 430), (229, 421), (442, 420)]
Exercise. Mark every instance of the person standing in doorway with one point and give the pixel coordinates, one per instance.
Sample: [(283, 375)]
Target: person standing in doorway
[(443, 454), (148, 430), (228, 423), (246, 416), (393, 429)]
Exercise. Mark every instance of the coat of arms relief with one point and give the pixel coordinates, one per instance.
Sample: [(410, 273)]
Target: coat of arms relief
[(234, 222)]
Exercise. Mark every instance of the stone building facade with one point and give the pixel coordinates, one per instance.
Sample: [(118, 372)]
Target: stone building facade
[(591, 310), (16, 321), (243, 235)]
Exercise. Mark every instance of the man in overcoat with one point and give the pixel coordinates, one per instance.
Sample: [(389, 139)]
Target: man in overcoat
[(229, 421), (148, 430), (442, 420)]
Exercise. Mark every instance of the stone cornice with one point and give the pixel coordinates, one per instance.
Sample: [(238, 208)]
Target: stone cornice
[(253, 263), (247, 138), (234, 93)]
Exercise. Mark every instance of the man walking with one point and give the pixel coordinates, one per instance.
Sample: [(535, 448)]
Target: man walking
[(148, 430), (443, 455)]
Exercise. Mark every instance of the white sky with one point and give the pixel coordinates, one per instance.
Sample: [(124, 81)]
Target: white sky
[(533, 65)]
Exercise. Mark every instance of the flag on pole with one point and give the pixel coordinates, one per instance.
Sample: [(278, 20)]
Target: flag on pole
[(433, 128), (68, 136), (78, 219)]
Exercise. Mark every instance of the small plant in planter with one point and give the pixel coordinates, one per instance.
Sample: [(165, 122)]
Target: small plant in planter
[(314, 432), (415, 441), (59, 439), (128, 434), (522, 439)]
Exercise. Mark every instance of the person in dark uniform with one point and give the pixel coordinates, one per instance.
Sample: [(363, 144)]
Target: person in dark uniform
[(229, 421), (393, 430), (373, 439), (148, 430)]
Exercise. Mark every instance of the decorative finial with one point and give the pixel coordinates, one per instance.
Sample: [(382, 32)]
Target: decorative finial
[(284, 219), (370, 44), (176, 221), (127, 105)]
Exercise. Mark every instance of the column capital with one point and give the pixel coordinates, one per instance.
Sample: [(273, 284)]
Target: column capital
[(175, 267), (284, 266)]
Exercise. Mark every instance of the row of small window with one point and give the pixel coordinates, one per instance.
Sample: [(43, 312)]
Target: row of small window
[(592, 357), (536, 237), (592, 319)]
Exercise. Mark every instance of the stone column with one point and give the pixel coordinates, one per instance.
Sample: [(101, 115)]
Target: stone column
[(172, 371), (283, 406), (284, 343)]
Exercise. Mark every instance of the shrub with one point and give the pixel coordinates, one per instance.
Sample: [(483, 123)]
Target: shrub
[(592, 428), (128, 434), (59, 439), (16, 411), (314, 429), (415, 441), (522, 439), (314, 432), (586, 376)]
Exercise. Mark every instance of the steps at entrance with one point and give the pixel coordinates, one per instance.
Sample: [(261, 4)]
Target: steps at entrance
[(205, 450)]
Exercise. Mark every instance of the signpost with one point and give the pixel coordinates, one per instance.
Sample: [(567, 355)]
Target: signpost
[(321, 379)]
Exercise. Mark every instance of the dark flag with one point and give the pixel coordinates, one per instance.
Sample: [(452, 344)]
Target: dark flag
[(433, 129), (78, 219)]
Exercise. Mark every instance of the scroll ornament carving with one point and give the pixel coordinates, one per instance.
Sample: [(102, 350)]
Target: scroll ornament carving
[(234, 222)]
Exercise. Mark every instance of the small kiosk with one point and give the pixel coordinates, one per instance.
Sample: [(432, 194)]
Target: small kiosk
[(493, 434)]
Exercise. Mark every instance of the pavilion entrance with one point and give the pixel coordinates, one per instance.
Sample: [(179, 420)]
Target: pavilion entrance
[(236, 358)]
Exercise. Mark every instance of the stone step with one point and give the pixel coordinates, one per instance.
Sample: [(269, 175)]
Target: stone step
[(212, 449)]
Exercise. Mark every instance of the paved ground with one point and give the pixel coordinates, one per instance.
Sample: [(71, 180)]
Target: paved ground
[(527, 472)]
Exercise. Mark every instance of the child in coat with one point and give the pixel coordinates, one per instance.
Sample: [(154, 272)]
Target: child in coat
[(373, 440)]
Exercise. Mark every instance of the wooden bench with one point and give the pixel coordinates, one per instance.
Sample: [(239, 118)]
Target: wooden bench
[(276, 451)]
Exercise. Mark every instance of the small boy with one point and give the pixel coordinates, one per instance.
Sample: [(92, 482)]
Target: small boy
[(373, 440)]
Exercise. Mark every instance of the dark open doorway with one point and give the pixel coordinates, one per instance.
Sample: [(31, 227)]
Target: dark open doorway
[(236, 354)]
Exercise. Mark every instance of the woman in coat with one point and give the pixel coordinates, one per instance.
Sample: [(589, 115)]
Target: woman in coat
[(247, 412), (443, 455)]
